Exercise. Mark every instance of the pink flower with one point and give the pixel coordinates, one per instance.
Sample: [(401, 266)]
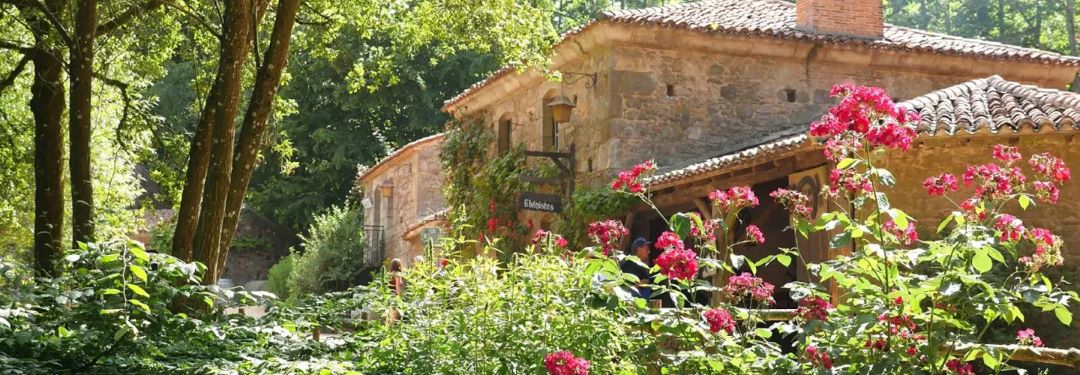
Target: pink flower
[(959, 367), (542, 235), (814, 308), (630, 180), (669, 241), (1007, 154), (749, 287), (539, 236), (607, 234), (720, 319), (1047, 250), (709, 233), (818, 357), (754, 233), (798, 203), (564, 363), (561, 242), (908, 236), (1027, 337), (734, 199), (678, 263), (864, 112), (1046, 191), (939, 185), (973, 209), (1050, 166), (912, 351), (1010, 227)]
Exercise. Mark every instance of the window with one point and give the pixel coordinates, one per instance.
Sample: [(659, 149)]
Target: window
[(505, 128), (670, 90), (550, 129)]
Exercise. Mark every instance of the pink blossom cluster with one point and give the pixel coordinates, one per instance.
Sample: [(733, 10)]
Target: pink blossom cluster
[(678, 263), (1027, 337), (1010, 227), (734, 199), (565, 363), (994, 181), (850, 180), (607, 234), (747, 286), (669, 241), (863, 112), (720, 319), (543, 235), (1007, 154), (818, 357), (959, 367), (1047, 251), (630, 180), (908, 236), (709, 232), (1054, 171), (753, 233), (814, 308), (795, 202), (939, 185), (899, 326)]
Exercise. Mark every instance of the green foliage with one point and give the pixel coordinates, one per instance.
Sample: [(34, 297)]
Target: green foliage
[(591, 205), (483, 317), (277, 279), (161, 236), (333, 253)]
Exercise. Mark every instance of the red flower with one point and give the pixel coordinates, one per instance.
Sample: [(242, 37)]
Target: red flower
[(908, 236), (1047, 250), (818, 357), (734, 199), (959, 367), (1046, 191), (491, 206), (814, 308), (747, 286), (1050, 166), (1027, 337), (939, 185), (720, 319), (669, 241), (678, 263), (492, 224), (864, 112), (443, 262), (912, 351), (630, 181), (798, 203), (754, 233), (1007, 154), (607, 234), (543, 235), (564, 363), (1010, 227)]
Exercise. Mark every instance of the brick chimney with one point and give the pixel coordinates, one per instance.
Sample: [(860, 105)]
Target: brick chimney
[(857, 18)]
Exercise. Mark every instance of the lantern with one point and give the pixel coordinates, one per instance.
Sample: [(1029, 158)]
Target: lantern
[(561, 107)]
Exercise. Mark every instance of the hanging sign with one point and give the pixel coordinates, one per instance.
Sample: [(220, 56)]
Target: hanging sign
[(539, 202)]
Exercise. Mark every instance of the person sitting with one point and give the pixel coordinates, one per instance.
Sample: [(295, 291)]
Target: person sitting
[(640, 248)]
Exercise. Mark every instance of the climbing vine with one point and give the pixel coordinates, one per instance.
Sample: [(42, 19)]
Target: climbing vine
[(590, 205)]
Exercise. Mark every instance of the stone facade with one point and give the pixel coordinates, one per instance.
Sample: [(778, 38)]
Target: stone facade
[(403, 197)]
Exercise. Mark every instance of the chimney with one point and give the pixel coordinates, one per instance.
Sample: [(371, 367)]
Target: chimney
[(855, 18)]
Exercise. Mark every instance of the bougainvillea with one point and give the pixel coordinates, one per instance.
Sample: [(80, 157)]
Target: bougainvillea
[(818, 357), (565, 363), (1027, 337), (720, 319), (733, 199), (542, 236), (678, 263), (607, 234), (749, 288), (939, 185), (814, 308), (753, 233), (795, 202), (669, 241), (631, 180)]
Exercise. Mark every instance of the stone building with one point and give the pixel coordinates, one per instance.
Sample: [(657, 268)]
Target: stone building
[(404, 209), (720, 92)]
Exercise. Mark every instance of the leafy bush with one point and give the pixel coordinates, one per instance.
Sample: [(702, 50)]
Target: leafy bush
[(333, 253), (277, 279)]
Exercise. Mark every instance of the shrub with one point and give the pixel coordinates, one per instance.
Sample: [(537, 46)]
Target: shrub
[(333, 253), (278, 277)]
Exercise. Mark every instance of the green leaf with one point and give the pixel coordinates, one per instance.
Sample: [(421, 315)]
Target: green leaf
[(995, 254), (1064, 315), (945, 222), (764, 333), (109, 258), (883, 201), (139, 253), (138, 290), (784, 259), (1024, 201), (110, 291), (982, 262), (140, 304), (847, 162), (885, 176), (680, 224), (899, 217), (990, 360), (138, 272), (840, 240)]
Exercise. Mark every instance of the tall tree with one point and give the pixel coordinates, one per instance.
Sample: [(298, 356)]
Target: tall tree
[(80, 121), (1070, 24)]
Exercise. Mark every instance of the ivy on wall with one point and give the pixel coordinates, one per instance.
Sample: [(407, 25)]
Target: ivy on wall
[(589, 205)]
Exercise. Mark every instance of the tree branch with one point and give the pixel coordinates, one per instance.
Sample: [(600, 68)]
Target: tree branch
[(127, 15), (10, 78), (15, 47), (56, 24), (198, 19)]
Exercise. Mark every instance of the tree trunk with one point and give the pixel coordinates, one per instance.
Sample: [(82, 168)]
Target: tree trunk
[(221, 103), (79, 122), (253, 130), (1001, 20), (47, 106), (1070, 24), (239, 16)]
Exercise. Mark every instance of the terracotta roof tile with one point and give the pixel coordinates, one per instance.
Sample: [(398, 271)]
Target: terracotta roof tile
[(776, 18), (987, 106), (360, 175), (993, 105)]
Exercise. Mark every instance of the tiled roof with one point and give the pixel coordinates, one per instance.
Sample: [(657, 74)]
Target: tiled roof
[(722, 162), (364, 173), (992, 105), (776, 19), (988, 106)]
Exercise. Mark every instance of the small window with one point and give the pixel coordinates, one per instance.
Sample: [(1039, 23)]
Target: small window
[(504, 132), (790, 94), (670, 91), (590, 164)]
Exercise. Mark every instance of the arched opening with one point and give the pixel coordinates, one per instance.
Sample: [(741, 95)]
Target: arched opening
[(550, 129)]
